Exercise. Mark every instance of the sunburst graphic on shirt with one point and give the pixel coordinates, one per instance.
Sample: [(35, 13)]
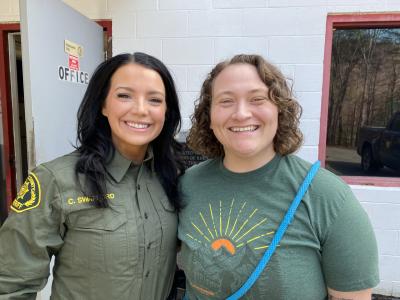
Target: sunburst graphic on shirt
[(214, 230)]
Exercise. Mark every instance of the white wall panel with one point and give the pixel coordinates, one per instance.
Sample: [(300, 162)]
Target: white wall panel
[(389, 267), (131, 5), (311, 103), (188, 51), (225, 48), (388, 241), (310, 129), (187, 103), (215, 23), (296, 50), (284, 21), (196, 76), (239, 3), (125, 25), (150, 46), (309, 153), (283, 3), (308, 78), (377, 194), (393, 5), (184, 4), (360, 3), (383, 216), (179, 73), (161, 24)]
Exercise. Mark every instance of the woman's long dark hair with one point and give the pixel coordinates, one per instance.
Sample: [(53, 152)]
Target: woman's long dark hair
[(94, 133)]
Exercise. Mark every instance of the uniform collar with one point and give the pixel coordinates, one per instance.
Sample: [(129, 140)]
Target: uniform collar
[(118, 165)]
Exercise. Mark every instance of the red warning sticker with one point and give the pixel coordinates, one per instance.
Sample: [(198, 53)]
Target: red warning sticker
[(73, 62)]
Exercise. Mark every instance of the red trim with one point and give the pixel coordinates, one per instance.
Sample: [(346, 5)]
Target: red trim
[(107, 26), (351, 20), (5, 100)]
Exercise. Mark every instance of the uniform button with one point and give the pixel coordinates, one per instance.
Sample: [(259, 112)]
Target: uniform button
[(146, 216), (148, 246), (138, 186), (147, 274)]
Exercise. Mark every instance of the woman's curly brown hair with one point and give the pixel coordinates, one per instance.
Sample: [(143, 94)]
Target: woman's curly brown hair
[(288, 137)]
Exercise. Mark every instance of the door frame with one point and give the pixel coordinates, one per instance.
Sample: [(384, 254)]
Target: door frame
[(6, 106), (5, 102)]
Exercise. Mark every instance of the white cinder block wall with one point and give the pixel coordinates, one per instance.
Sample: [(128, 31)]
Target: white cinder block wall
[(190, 36)]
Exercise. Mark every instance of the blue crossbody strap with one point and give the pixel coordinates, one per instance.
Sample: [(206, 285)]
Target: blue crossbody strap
[(278, 235)]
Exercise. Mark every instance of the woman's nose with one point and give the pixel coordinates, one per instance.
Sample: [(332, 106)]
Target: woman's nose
[(242, 110), (140, 107)]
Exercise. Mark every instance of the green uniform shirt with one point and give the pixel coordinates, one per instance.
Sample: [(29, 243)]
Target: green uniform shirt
[(230, 219), (126, 251)]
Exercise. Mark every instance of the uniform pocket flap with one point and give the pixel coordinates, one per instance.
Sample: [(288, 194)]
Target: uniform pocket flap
[(166, 204), (158, 195), (97, 219)]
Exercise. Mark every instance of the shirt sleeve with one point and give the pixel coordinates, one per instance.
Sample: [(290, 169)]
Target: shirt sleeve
[(350, 253), (30, 236)]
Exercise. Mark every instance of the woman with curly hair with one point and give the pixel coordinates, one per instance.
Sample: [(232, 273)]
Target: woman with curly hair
[(237, 202)]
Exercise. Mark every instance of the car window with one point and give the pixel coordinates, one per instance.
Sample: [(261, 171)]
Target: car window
[(396, 123)]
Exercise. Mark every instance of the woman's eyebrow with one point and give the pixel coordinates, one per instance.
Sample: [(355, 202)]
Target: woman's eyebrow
[(156, 93), (153, 92), (226, 92)]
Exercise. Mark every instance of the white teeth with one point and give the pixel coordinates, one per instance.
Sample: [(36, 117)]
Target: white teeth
[(137, 125), (241, 129)]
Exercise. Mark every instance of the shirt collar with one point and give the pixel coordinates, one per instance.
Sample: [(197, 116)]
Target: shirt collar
[(118, 165)]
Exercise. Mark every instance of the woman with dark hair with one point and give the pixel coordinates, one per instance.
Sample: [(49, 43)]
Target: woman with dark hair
[(106, 211), (243, 235)]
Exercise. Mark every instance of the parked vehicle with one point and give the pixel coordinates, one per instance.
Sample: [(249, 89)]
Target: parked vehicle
[(380, 146)]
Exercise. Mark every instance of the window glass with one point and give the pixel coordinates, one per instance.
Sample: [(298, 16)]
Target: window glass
[(364, 95), (396, 123)]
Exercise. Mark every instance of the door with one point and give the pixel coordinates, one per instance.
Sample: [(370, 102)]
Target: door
[(60, 50)]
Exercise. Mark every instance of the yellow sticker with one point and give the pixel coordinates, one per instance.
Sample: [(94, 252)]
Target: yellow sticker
[(73, 48), (29, 195)]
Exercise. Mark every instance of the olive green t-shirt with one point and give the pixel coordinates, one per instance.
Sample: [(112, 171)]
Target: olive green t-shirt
[(230, 219)]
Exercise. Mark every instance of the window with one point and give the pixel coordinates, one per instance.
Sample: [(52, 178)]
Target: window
[(396, 123), (361, 97)]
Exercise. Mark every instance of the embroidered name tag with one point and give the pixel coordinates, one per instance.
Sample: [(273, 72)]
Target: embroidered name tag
[(85, 199)]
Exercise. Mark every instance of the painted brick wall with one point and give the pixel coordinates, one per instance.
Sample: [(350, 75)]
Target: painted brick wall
[(190, 36)]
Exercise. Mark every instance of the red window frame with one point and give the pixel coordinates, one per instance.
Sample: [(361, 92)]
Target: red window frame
[(350, 21)]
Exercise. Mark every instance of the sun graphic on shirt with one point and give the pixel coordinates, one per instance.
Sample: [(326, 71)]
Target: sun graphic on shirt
[(226, 231)]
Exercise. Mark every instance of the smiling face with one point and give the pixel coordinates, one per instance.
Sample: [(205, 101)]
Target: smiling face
[(135, 107), (243, 118)]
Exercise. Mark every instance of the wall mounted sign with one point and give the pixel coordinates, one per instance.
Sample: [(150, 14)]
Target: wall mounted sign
[(73, 49), (71, 75), (73, 62)]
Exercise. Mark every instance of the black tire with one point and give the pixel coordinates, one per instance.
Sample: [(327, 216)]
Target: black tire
[(368, 162)]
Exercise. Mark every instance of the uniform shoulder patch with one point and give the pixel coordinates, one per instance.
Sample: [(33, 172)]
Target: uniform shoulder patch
[(29, 195)]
